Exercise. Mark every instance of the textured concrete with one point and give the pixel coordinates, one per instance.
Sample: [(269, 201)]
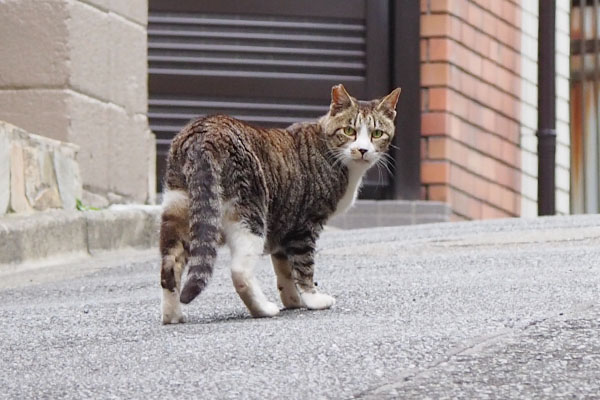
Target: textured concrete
[(128, 178), (30, 239), (128, 64), (77, 71), (47, 234), (38, 110), (89, 72), (5, 150), (498, 309), (34, 50), (121, 227), (371, 213)]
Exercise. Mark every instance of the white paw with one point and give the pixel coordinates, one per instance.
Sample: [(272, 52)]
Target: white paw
[(173, 319), (171, 307), (266, 309), (317, 301)]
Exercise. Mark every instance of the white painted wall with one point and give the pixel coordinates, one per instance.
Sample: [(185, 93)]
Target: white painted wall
[(529, 160)]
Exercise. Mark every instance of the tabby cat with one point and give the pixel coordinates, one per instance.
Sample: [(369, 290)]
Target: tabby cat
[(264, 191)]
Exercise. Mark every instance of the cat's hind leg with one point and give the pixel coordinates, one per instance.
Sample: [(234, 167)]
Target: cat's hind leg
[(246, 248), (290, 296), (174, 235)]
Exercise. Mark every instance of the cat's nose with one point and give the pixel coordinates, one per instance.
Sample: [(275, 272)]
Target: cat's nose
[(363, 151)]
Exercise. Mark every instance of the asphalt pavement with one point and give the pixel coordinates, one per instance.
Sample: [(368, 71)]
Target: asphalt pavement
[(496, 309)]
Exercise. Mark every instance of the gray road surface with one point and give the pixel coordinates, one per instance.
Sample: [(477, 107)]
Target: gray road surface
[(503, 309)]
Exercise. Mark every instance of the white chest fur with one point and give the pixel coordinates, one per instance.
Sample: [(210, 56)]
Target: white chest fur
[(355, 176)]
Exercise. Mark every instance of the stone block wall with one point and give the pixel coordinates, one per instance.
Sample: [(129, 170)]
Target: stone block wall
[(36, 173), (76, 71)]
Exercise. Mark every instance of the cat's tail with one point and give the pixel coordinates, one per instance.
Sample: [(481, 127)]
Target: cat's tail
[(202, 176)]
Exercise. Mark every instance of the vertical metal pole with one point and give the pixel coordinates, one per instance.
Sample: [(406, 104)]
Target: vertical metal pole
[(596, 141), (546, 133), (582, 77), (406, 69)]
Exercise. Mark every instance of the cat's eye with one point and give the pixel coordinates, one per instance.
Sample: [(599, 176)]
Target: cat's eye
[(349, 131), (377, 133)]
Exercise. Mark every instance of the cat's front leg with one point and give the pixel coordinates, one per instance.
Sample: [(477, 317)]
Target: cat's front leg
[(288, 291), (303, 267)]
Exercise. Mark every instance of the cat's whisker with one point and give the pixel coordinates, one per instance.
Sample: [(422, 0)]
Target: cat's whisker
[(387, 164), (379, 176), (389, 161)]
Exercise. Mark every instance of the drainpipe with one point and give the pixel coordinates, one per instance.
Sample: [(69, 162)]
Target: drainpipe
[(546, 132)]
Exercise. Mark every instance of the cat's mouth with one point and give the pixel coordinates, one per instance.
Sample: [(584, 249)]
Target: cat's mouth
[(362, 161)]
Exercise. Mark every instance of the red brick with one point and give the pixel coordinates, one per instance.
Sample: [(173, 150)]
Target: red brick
[(439, 49), (436, 148), (468, 85), (496, 7), (493, 50), (509, 12), (457, 218), (467, 35), (495, 195), (489, 23), (439, 99), (509, 201), (481, 188), (424, 148), (510, 153), (483, 90), (440, 6), (424, 50), (465, 205), (474, 15), (434, 123), (488, 70), (475, 63), (489, 212), (436, 74), (489, 119), (436, 25), (435, 171), (438, 193)]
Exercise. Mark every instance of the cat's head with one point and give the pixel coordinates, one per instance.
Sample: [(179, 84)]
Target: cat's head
[(359, 132)]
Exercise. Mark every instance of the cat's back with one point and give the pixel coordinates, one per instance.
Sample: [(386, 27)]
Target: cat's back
[(227, 137)]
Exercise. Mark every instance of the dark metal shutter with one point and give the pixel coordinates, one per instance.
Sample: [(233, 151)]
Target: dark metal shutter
[(268, 62)]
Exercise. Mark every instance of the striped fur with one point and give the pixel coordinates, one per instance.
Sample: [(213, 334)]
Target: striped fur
[(277, 187)]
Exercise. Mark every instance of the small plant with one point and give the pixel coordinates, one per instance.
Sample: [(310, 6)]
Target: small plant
[(81, 207)]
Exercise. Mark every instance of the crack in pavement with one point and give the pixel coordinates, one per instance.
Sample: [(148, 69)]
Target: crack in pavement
[(473, 346)]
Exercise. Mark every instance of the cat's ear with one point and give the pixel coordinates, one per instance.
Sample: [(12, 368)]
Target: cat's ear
[(340, 99), (388, 103)]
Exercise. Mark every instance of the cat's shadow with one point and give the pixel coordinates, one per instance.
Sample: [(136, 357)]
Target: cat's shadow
[(243, 316)]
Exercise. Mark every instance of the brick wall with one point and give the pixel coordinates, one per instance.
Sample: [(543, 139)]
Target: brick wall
[(471, 89)]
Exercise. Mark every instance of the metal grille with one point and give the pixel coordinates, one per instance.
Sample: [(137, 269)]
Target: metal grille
[(268, 62), (585, 106), (249, 47)]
